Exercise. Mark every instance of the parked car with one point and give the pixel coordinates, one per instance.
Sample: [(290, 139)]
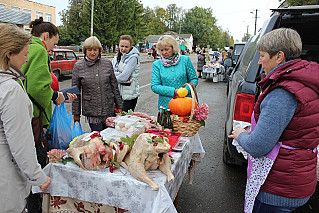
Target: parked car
[(243, 90), (62, 61), (238, 47)]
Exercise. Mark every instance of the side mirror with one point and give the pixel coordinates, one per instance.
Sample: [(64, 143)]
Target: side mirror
[(228, 62)]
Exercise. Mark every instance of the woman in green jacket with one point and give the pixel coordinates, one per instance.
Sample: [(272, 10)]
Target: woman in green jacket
[(37, 70)]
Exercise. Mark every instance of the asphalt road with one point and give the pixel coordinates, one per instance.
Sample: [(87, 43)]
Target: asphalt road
[(217, 187)]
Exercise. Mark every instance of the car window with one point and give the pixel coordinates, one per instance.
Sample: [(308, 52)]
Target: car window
[(238, 49), (246, 61), (71, 55), (60, 56)]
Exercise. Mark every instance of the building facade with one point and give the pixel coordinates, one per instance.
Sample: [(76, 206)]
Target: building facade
[(21, 12), (184, 40)]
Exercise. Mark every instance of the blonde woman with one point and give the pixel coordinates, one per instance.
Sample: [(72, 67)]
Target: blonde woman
[(172, 71), (95, 77), (19, 166)]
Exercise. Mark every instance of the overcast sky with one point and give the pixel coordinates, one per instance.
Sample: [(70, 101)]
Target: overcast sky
[(231, 15)]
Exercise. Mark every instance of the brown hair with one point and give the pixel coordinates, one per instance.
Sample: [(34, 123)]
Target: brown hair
[(126, 37), (39, 26), (12, 41)]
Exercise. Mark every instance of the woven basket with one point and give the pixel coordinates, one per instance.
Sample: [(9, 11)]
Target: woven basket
[(191, 127)]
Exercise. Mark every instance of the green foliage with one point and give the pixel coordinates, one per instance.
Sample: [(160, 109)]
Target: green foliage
[(174, 17), (129, 140), (301, 2), (76, 20), (113, 18), (64, 38), (155, 21)]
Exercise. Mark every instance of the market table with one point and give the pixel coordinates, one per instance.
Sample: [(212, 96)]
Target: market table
[(118, 191), (217, 71)]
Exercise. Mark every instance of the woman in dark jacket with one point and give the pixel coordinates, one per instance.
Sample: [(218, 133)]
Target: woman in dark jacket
[(200, 63), (95, 77)]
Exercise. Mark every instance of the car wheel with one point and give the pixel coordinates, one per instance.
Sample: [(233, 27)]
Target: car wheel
[(57, 74)]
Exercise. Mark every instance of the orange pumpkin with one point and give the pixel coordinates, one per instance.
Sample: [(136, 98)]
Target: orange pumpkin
[(181, 106)]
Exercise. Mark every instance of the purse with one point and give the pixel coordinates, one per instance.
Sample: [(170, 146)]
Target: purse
[(38, 133)]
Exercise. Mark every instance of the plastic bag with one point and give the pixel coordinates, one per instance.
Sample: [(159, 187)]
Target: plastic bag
[(77, 130), (60, 133)]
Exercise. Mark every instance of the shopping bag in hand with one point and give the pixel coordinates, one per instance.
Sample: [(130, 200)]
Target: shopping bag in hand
[(77, 130), (60, 133)]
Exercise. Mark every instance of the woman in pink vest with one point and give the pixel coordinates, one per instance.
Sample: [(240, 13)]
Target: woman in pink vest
[(282, 153)]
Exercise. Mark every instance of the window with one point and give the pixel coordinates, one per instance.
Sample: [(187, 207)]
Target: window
[(48, 17), (71, 55), (60, 56), (38, 15), (15, 8), (27, 11), (2, 6)]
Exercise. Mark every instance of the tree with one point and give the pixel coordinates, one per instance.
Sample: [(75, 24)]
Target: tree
[(301, 2), (76, 20), (155, 21), (64, 38), (111, 19), (174, 17), (201, 23)]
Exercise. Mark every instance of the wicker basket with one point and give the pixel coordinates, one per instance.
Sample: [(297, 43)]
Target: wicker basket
[(191, 127)]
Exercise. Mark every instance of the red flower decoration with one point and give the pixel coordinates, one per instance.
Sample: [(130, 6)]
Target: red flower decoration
[(96, 134), (155, 144), (121, 146), (153, 137)]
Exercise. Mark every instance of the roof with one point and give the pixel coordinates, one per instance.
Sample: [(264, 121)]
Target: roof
[(152, 38), (14, 17), (185, 35)]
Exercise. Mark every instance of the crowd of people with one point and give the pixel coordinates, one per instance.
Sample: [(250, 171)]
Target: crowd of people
[(289, 97)]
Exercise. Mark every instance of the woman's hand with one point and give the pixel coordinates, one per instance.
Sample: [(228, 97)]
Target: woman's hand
[(236, 133), (71, 97), (60, 98), (46, 185)]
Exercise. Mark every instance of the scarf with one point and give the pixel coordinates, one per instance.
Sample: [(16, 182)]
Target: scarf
[(172, 61), (90, 62)]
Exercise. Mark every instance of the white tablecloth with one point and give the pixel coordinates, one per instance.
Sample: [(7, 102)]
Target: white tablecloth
[(122, 190)]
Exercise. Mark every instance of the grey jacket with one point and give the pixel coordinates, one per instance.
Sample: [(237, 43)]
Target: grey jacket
[(98, 84), (127, 71), (200, 62), (19, 166)]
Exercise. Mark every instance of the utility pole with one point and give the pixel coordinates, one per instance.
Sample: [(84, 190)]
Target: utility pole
[(92, 9), (255, 21)]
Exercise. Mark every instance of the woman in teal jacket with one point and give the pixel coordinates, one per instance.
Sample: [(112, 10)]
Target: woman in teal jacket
[(172, 71)]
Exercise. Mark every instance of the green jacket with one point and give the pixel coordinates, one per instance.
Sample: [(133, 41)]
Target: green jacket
[(38, 79)]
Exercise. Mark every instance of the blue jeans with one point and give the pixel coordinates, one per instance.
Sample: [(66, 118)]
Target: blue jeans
[(260, 207)]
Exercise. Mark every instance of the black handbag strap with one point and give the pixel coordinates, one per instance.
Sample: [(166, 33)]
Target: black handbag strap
[(39, 106), (36, 103)]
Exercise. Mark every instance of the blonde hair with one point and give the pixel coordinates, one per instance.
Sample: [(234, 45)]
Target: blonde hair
[(92, 42), (167, 40), (12, 41)]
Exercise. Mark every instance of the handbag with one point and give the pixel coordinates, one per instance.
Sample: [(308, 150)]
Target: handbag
[(38, 133)]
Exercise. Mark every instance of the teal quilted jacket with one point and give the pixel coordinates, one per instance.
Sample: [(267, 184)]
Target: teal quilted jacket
[(166, 79)]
